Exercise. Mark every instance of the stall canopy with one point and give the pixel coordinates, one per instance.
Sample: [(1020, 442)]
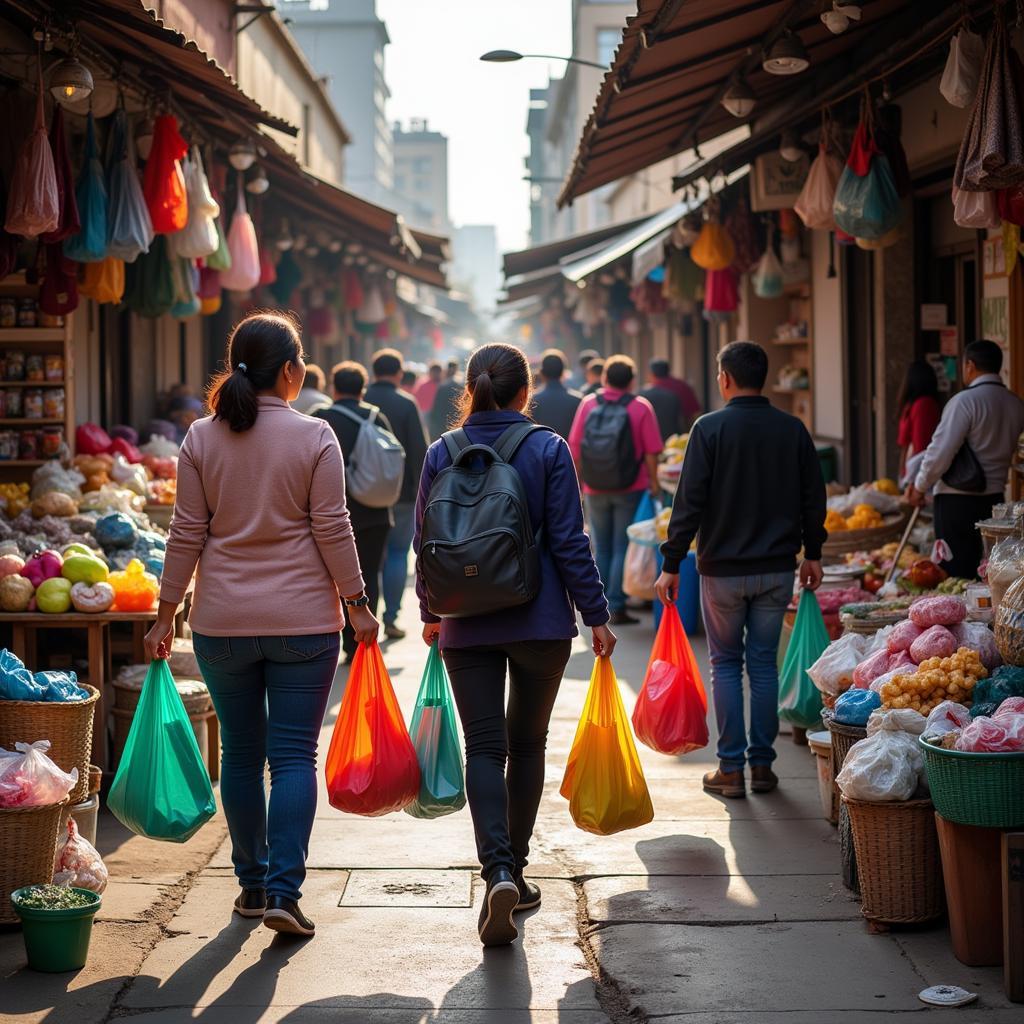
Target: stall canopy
[(677, 60)]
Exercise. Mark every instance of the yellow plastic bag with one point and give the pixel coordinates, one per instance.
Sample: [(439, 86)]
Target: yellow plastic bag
[(103, 280), (604, 782), (714, 248)]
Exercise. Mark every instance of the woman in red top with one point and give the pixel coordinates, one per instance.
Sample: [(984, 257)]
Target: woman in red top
[(919, 410)]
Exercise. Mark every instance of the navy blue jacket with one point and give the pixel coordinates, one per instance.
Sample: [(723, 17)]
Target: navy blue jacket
[(569, 575)]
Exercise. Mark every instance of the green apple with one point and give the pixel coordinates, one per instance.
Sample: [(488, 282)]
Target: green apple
[(79, 549), (88, 569), (53, 596)]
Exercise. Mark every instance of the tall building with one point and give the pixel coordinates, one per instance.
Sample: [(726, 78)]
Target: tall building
[(344, 41), (421, 175), (475, 267)]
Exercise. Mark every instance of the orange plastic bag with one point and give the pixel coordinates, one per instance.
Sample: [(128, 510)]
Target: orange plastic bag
[(103, 280), (603, 781), (671, 712), (371, 764), (163, 183), (714, 249)]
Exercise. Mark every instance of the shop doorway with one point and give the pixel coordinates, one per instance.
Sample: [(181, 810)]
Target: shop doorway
[(860, 364)]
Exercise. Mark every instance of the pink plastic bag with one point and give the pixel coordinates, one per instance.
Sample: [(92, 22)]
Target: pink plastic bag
[(978, 637), (28, 778), (870, 668), (938, 611), (934, 642), (1002, 735), (33, 202), (1010, 706), (244, 273), (902, 636), (815, 202), (78, 863)]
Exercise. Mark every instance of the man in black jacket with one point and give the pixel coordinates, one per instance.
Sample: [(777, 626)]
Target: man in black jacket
[(752, 493), (404, 415), (370, 525), (554, 405)]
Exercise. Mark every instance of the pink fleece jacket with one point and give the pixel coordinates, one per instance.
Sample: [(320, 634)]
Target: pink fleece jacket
[(262, 514)]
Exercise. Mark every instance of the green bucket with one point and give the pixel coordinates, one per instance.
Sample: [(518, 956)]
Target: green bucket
[(56, 940)]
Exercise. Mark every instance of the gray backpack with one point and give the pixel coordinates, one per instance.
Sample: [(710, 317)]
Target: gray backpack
[(374, 473)]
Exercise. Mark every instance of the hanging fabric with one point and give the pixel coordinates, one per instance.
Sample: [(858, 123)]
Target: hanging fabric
[(714, 249), (220, 258), (683, 279), (149, 285), (742, 230), (33, 204), (959, 82), (68, 222), (58, 292), (163, 182), (199, 238), (244, 273), (721, 293), (90, 243), (103, 280), (129, 227)]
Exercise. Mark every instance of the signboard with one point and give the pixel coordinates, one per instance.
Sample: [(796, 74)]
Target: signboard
[(949, 341), (934, 316), (993, 257), (995, 318), (776, 183)]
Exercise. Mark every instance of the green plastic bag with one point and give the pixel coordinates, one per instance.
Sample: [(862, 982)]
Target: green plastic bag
[(162, 789), (436, 739), (799, 699)]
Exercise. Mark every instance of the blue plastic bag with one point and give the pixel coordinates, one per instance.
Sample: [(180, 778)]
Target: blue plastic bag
[(129, 227), (90, 244), (17, 683), (855, 706), (868, 207)]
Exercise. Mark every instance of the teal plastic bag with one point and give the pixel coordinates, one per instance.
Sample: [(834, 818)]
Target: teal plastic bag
[(868, 207), (799, 699), (90, 244), (436, 739), (162, 789)]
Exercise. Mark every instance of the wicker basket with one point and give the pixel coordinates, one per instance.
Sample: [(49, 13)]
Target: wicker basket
[(66, 724), (28, 843), (842, 542), (898, 864), (843, 737), (980, 789)]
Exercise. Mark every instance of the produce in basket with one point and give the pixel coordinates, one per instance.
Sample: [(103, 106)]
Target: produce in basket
[(903, 636), (947, 717), (935, 680), (938, 611), (888, 765), (876, 664), (28, 778)]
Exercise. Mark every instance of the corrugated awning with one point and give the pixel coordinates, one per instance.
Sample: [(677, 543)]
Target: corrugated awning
[(677, 59), (547, 254)]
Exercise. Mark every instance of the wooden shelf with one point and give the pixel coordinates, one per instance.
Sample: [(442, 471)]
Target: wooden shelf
[(30, 423), (50, 335), (791, 341), (23, 463), (32, 384), (797, 288)]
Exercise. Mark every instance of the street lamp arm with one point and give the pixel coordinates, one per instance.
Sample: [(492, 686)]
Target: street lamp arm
[(507, 56), (569, 60)]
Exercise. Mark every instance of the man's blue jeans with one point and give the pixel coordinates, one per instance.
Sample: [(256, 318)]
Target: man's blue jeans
[(270, 693), (608, 515), (743, 619), (396, 559)]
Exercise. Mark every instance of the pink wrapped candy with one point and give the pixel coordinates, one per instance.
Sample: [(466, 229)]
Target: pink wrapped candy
[(902, 636), (870, 668), (935, 642), (943, 610), (1001, 735)]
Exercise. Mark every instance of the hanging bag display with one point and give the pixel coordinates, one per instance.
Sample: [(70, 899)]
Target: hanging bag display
[(371, 764), (714, 249), (186, 283), (58, 290), (163, 182), (817, 198), (68, 221), (103, 280), (767, 278), (162, 788), (149, 281), (33, 202), (603, 780), (721, 293), (220, 258), (244, 272), (435, 738), (742, 229), (199, 238), (90, 244), (799, 699), (671, 712), (976, 209), (129, 227), (959, 82)]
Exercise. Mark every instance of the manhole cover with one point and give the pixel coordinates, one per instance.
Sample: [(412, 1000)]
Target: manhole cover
[(408, 889)]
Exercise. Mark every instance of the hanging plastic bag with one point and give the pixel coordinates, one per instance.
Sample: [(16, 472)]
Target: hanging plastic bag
[(220, 258), (371, 764), (671, 712), (58, 293), (603, 780), (163, 183), (78, 863), (641, 567), (91, 195), (199, 238), (767, 277), (129, 228), (799, 699), (714, 249), (186, 281), (162, 789), (68, 221), (435, 738), (721, 292), (868, 206), (976, 209), (103, 281), (29, 778), (33, 203), (814, 205), (149, 281), (742, 230), (244, 272), (959, 82)]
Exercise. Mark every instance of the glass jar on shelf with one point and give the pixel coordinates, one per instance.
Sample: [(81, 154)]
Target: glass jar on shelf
[(8, 445), (35, 368), (14, 405), (54, 368), (29, 445), (33, 404), (53, 404), (8, 311), (28, 313), (14, 364), (53, 438)]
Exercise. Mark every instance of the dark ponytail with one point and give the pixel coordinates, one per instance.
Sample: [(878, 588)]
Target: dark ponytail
[(257, 349), (495, 375)]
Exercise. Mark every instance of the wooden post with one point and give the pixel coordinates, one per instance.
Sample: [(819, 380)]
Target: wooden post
[(1013, 916)]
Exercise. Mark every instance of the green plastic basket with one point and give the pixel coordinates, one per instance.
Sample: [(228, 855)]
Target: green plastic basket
[(976, 789)]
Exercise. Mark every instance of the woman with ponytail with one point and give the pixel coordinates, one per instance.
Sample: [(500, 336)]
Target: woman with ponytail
[(260, 520), (529, 643)]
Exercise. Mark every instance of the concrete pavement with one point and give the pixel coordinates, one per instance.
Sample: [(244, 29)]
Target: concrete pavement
[(718, 912)]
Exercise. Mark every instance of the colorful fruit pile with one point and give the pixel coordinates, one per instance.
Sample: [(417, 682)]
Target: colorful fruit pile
[(936, 680), (864, 517)]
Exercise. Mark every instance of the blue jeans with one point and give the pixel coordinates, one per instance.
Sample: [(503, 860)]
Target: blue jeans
[(743, 619), (608, 515), (270, 693), (396, 560)]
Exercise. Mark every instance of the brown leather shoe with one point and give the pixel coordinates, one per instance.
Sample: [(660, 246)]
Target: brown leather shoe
[(727, 784), (762, 778)]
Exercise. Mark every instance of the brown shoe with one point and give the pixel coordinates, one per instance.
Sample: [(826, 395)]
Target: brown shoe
[(762, 778), (728, 784)]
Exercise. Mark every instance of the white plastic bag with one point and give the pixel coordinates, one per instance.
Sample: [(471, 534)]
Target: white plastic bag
[(888, 765), (28, 778), (975, 209), (244, 273), (946, 717), (77, 862), (198, 238), (960, 77), (832, 673), (767, 276), (640, 572), (814, 204)]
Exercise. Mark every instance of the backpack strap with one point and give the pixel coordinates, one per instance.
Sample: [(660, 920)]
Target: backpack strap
[(455, 441), (353, 415), (512, 439)]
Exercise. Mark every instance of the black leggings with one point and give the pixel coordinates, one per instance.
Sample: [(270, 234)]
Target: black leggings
[(504, 803)]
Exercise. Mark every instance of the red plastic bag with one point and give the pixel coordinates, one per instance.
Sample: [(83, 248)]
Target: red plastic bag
[(671, 712), (721, 291), (163, 183), (91, 439), (121, 446), (372, 766)]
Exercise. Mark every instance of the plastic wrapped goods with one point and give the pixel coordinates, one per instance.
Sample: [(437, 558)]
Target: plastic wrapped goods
[(978, 637), (28, 778), (934, 642), (889, 764), (1001, 735), (17, 683), (871, 667), (77, 863), (947, 717), (1010, 706), (833, 672), (903, 636), (938, 611), (855, 706)]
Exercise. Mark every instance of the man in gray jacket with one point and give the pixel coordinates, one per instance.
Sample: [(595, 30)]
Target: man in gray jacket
[(987, 419)]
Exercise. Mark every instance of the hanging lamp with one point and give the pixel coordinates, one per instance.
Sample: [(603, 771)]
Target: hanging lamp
[(70, 81), (790, 147), (739, 99), (242, 155), (786, 56), (853, 9)]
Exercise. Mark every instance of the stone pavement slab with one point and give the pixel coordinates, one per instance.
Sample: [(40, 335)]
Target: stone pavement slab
[(411, 1011), (386, 888)]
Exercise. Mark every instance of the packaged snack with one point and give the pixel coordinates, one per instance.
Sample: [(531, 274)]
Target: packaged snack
[(934, 642), (902, 636), (77, 862), (938, 611), (1002, 735)]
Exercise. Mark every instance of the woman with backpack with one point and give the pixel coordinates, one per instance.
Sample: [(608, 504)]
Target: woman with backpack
[(260, 518), (503, 564)]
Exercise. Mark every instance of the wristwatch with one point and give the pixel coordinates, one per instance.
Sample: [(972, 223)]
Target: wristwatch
[(358, 602)]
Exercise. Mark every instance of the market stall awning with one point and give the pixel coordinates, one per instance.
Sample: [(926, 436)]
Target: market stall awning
[(677, 60), (547, 254)]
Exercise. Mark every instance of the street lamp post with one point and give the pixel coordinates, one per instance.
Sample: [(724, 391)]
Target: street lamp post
[(508, 56)]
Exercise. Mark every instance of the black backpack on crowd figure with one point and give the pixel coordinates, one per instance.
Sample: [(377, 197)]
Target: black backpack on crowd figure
[(607, 453), (478, 552)]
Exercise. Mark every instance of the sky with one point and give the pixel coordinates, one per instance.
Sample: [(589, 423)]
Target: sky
[(434, 71)]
